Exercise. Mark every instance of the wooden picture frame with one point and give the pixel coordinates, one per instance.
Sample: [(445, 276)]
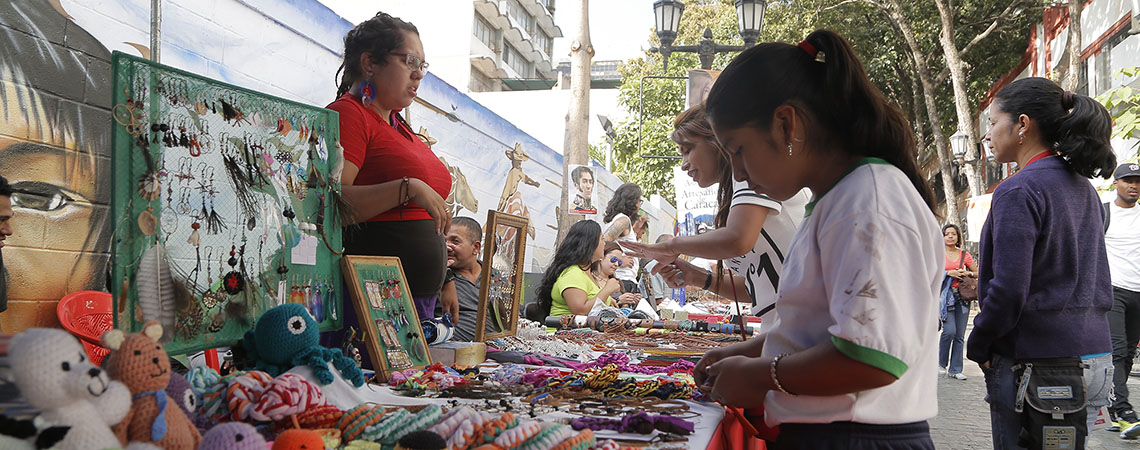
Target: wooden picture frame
[(500, 284), (378, 290)]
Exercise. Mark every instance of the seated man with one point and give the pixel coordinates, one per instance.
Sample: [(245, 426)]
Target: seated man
[(464, 271)]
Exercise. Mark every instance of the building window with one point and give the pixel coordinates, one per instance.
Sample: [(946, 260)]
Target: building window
[(515, 60), (542, 41), (524, 19), (1104, 60), (485, 32), (480, 82)]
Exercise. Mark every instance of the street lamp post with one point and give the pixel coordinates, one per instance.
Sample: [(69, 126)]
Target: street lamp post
[(667, 18), (959, 144)]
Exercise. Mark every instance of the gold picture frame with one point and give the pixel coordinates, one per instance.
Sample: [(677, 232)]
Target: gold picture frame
[(500, 287), (387, 315)]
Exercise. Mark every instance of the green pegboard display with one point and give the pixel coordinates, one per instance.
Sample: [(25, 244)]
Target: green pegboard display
[(223, 206)]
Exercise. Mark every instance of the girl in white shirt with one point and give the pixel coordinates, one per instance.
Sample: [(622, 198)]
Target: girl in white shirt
[(850, 360)]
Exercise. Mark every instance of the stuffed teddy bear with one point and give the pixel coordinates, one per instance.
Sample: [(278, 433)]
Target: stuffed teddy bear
[(139, 362), (54, 375), (233, 436)]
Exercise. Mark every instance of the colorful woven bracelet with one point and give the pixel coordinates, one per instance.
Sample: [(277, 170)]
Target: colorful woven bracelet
[(351, 415), (355, 428), (465, 433), (516, 436), (381, 430), (450, 421), (581, 441), (419, 421), (492, 429), (551, 435)]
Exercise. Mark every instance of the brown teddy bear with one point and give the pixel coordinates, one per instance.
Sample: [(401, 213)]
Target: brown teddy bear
[(139, 362)]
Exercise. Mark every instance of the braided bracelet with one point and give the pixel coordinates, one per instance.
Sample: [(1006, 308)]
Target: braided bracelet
[(382, 429), (516, 436), (492, 429), (419, 421), (581, 441), (465, 433), (450, 421), (354, 427), (549, 437)]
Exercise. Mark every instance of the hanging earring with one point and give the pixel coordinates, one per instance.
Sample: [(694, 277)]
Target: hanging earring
[(367, 90), (789, 149), (1020, 137)]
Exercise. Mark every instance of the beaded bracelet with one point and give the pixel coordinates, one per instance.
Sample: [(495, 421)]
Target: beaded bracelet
[(581, 441), (419, 421), (382, 429), (551, 435), (776, 380), (516, 436)]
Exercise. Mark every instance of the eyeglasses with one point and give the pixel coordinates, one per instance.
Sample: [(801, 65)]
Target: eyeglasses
[(616, 260), (413, 62)]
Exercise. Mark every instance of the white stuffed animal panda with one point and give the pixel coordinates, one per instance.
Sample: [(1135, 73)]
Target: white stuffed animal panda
[(54, 375)]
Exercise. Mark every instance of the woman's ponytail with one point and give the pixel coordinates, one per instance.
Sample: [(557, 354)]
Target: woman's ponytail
[(1075, 125)]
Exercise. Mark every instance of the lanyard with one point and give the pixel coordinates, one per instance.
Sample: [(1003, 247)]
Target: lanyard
[(1039, 156)]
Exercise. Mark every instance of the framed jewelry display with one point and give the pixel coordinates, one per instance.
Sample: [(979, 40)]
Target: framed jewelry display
[(225, 203), (378, 291), (500, 288)]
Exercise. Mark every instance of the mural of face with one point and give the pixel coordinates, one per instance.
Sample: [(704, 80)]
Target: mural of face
[(54, 143)]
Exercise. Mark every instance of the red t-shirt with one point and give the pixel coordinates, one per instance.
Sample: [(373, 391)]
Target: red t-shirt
[(384, 154), (952, 264)]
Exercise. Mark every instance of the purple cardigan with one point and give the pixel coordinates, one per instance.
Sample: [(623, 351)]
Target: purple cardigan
[(1043, 276)]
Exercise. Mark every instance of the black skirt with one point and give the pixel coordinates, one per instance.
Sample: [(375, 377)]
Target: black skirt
[(421, 250)]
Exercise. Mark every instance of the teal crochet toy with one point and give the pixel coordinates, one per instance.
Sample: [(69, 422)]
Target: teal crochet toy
[(286, 336)]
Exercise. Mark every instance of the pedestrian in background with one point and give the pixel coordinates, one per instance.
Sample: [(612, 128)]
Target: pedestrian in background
[(620, 217), (1122, 240), (952, 310), (1044, 276)]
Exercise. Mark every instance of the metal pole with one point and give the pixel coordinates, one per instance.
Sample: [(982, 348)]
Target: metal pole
[(155, 29)]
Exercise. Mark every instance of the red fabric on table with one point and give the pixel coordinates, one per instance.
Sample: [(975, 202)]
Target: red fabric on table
[(738, 430), (384, 154)]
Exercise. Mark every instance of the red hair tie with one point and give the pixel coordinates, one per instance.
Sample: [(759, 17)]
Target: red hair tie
[(807, 47)]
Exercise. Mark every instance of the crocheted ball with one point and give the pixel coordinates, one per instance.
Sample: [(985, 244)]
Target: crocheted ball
[(421, 440), (282, 332), (297, 439), (233, 436)]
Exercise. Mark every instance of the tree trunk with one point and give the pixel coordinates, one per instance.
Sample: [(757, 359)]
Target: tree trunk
[(894, 12), (961, 99), (576, 147), (1073, 79)]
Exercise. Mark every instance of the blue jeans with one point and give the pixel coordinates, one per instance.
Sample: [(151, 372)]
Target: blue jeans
[(1001, 392), (953, 340)]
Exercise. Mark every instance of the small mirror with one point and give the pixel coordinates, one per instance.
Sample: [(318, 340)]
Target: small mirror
[(500, 288)]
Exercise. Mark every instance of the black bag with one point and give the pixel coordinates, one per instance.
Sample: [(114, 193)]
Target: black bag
[(1054, 391)]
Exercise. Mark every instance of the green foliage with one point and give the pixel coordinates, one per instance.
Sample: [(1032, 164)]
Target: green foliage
[(1124, 105)]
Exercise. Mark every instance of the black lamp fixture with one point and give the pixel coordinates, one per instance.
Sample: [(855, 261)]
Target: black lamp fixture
[(667, 18)]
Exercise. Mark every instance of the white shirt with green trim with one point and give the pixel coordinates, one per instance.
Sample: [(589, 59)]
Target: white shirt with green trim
[(863, 274)]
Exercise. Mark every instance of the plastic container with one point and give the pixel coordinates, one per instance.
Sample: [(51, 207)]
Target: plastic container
[(87, 315)]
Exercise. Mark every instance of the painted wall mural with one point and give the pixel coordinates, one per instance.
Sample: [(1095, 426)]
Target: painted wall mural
[(55, 123)]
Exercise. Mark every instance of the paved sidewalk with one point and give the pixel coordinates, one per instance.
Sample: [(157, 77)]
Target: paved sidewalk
[(963, 421)]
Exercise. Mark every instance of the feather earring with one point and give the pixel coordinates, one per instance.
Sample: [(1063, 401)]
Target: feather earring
[(156, 290), (243, 186), (214, 222)]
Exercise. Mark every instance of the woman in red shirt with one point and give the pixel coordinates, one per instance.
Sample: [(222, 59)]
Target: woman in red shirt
[(394, 183)]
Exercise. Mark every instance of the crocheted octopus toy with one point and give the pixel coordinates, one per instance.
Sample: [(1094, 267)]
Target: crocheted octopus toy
[(287, 336), (138, 361)]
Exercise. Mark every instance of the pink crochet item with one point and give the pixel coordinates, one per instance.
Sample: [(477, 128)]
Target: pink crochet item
[(285, 396), (244, 391)]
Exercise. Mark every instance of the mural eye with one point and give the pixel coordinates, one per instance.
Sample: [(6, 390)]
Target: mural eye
[(66, 366), (39, 196), (297, 324)]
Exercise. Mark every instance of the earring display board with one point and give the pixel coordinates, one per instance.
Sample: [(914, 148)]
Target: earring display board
[(379, 293), (500, 288), (224, 206)]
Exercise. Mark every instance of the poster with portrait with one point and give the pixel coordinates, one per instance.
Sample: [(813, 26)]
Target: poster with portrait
[(580, 190)]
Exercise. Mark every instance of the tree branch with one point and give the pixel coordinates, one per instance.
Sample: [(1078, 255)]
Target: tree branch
[(942, 76)]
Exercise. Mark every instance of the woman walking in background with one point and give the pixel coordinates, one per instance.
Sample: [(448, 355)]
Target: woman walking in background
[(1044, 279), (952, 310)]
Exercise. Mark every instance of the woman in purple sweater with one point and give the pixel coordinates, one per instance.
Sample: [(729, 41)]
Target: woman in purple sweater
[(1044, 279)]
